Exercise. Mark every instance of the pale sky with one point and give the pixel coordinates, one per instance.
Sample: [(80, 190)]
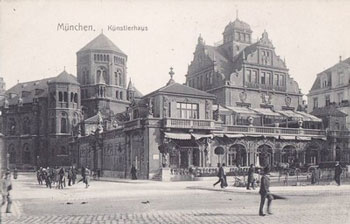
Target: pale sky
[(310, 36)]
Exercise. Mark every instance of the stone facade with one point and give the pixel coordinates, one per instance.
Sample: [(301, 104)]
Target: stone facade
[(241, 72), (331, 87)]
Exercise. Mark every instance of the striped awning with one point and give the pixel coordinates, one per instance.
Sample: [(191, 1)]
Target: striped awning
[(287, 137), (234, 135), (290, 114), (303, 138), (179, 136), (199, 136), (243, 110), (266, 112), (308, 117)]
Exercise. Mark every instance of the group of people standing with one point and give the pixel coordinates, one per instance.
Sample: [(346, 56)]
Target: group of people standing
[(56, 177)]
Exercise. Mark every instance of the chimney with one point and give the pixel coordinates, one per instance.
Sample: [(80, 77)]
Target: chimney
[(339, 58)]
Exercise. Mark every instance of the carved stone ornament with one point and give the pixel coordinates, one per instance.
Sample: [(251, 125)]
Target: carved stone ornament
[(243, 96), (288, 100), (266, 98)]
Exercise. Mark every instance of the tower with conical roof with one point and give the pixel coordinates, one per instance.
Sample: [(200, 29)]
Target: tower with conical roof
[(101, 71)]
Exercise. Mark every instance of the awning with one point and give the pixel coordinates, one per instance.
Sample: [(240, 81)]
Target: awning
[(179, 136), (243, 110), (303, 138), (320, 138), (221, 108), (308, 117), (287, 137), (234, 135), (266, 112), (290, 114), (218, 135), (252, 135), (199, 136)]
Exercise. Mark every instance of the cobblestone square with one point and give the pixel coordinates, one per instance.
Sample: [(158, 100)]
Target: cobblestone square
[(172, 202)]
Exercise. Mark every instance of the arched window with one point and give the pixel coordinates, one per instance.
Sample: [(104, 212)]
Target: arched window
[(117, 94), (65, 97), (26, 125), (64, 121), (98, 76), (116, 78), (105, 77), (60, 96), (121, 95), (104, 57), (76, 98), (120, 77), (27, 157), (71, 96)]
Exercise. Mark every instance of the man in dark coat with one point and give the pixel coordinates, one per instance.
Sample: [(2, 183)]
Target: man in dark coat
[(251, 179), (219, 175), (265, 192), (338, 172), (133, 173)]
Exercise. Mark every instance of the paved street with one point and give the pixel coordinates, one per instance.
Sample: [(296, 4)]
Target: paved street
[(176, 202)]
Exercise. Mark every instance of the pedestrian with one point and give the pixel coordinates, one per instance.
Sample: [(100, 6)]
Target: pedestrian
[(338, 172), (15, 173), (61, 178), (133, 172), (87, 177), (265, 192), (82, 174), (70, 176), (218, 175), (251, 179), (74, 175), (313, 176), (6, 187)]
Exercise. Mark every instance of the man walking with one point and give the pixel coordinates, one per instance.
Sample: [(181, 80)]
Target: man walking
[(251, 179), (265, 192), (338, 172), (133, 172), (6, 187)]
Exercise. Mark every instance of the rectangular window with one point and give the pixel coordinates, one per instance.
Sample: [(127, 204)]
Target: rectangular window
[(315, 102), (187, 110), (262, 78), (281, 80), (249, 76), (267, 79), (275, 79)]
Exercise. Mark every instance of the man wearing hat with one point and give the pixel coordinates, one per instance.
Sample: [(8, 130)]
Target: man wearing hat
[(265, 191), (6, 187), (338, 172)]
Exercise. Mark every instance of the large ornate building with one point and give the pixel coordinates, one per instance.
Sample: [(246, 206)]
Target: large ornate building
[(239, 106)]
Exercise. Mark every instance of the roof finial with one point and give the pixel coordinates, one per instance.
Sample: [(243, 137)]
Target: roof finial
[(171, 73), (237, 14), (340, 59)]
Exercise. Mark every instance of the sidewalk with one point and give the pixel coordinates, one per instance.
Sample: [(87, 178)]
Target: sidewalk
[(283, 190)]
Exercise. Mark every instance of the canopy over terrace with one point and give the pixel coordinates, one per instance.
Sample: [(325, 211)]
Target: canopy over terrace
[(269, 117), (291, 118), (241, 115), (310, 120)]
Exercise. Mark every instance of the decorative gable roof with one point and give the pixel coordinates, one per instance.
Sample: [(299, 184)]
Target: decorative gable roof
[(101, 42), (224, 65)]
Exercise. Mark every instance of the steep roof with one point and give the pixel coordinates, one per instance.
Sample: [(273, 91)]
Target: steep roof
[(176, 88), (328, 111), (224, 64), (64, 77), (101, 42), (37, 88), (238, 24)]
